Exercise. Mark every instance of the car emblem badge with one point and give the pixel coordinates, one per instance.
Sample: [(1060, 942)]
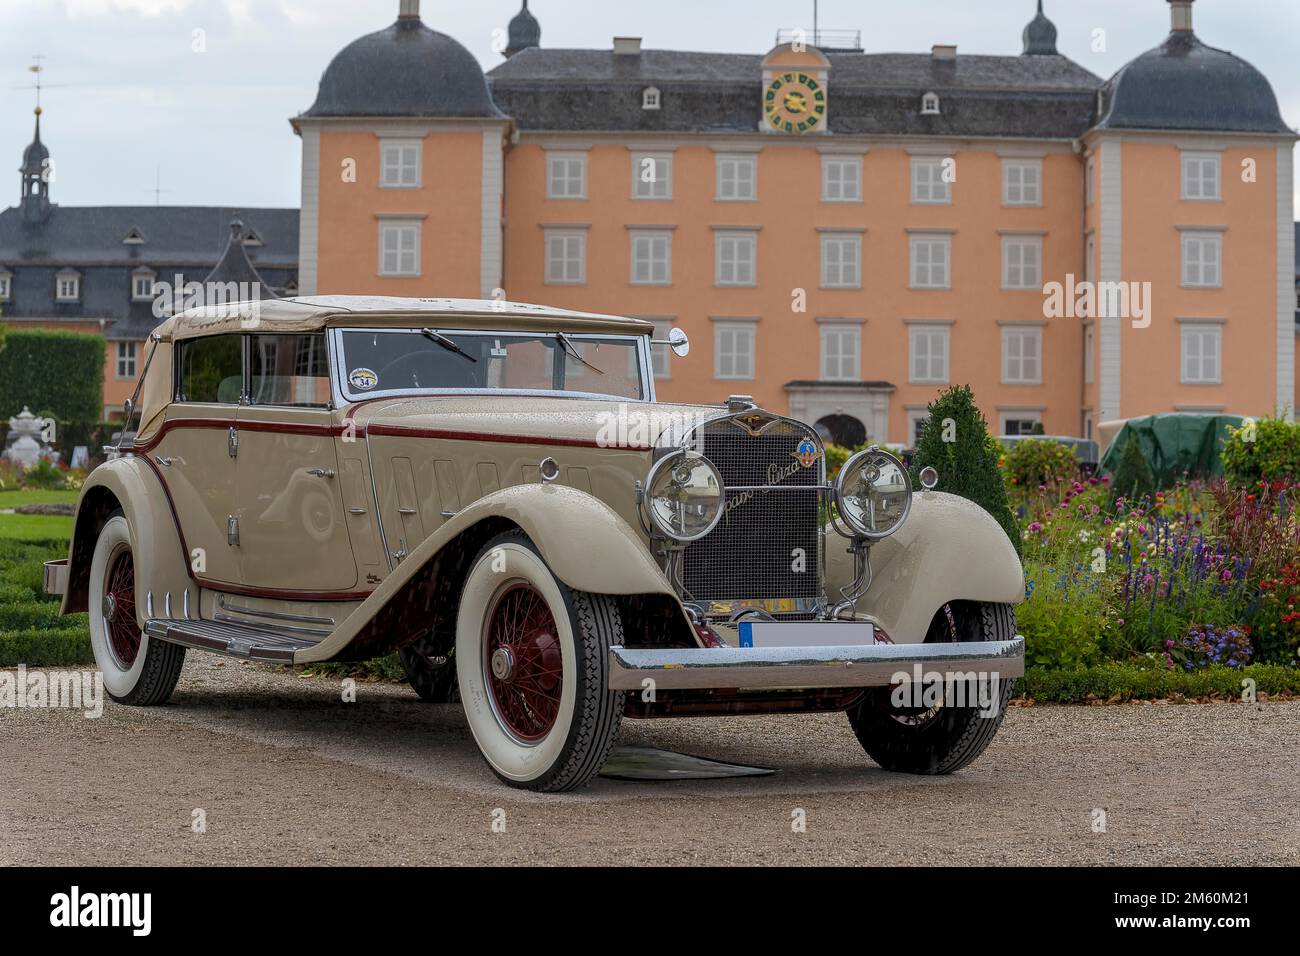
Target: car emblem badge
[(806, 454), (754, 422)]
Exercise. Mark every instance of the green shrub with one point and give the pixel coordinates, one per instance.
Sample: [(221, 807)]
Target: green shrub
[(956, 443), (836, 456), (1034, 461), (1133, 479), (45, 476), (62, 372), (64, 647), (1147, 681), (1265, 450)]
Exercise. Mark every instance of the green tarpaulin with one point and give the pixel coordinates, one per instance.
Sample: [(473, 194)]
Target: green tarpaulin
[(1174, 445)]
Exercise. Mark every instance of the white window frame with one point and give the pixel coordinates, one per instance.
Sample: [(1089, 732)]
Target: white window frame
[(930, 189), (1020, 415), (843, 268), (1022, 182), (845, 365), (661, 187), (1022, 334), (936, 371), (1090, 257), (731, 185), (1089, 181), (930, 105), (735, 251), (747, 332), (650, 257), (393, 234), (1200, 368), (67, 287), (1022, 263), (126, 355), (914, 417), (930, 242), (1201, 177), (1202, 260), (1089, 354), (841, 178), (651, 98), (6, 286), (564, 241), (566, 175), (660, 355), (136, 279), (401, 163)]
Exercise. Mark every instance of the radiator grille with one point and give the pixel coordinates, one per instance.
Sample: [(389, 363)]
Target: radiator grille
[(750, 555)]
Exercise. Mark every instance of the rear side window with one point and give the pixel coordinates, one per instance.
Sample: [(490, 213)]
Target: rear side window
[(211, 370), (289, 370)]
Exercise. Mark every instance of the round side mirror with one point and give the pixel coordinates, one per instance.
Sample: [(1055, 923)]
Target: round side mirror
[(929, 478), (677, 341)]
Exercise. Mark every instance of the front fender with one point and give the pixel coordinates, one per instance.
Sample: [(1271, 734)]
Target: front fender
[(161, 564), (584, 542), (948, 549)]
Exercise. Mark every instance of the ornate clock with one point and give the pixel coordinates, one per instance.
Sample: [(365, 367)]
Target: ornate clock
[(795, 103)]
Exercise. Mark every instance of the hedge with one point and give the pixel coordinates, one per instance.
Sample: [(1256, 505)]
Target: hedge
[(65, 647), (1122, 682), (52, 373)]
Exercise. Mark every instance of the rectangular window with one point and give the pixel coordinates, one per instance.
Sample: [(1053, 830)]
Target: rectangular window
[(1022, 350), (841, 348), (142, 287), (1090, 259), (1201, 176), (566, 256), (652, 176), (930, 262), (928, 363), (399, 166), (1020, 423), (841, 261), (735, 258), (1089, 175), (67, 288), (652, 258), (1202, 260), (4, 286), (399, 248), (916, 420), (841, 179), (733, 350), (126, 359), (660, 355), (1202, 345), (211, 370), (929, 184), (1089, 358), (1022, 259), (1022, 182), (566, 176), (289, 370), (737, 178)]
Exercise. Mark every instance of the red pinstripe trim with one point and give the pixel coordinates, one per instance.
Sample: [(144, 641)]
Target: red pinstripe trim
[(495, 437)]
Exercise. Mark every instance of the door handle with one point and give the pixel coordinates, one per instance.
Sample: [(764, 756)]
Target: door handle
[(322, 472), (165, 461)]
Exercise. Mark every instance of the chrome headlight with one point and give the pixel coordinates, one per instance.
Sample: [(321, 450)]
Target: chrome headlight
[(874, 493), (683, 495)]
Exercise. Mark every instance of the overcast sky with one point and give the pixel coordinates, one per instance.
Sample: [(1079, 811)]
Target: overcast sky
[(126, 93)]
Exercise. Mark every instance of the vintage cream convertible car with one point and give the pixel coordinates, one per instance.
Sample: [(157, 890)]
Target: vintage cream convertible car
[(492, 490)]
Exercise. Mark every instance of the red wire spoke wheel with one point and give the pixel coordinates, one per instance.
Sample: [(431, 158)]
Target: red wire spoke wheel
[(119, 609), (524, 662)]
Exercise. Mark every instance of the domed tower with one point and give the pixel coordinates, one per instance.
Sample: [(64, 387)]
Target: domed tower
[(1192, 136), (35, 173), (524, 32), (1040, 35), (402, 168)]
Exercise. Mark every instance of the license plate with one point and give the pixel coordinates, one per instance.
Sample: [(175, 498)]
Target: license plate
[(806, 633)]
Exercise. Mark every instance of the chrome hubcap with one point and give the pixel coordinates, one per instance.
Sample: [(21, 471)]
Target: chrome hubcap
[(110, 607), (503, 663)]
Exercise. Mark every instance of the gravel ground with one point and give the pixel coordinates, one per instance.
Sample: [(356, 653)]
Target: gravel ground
[(286, 773)]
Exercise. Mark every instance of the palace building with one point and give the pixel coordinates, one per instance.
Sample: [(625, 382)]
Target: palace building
[(841, 233)]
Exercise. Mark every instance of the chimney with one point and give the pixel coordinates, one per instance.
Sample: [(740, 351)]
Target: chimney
[(409, 10), (944, 51), (1180, 14), (627, 46)]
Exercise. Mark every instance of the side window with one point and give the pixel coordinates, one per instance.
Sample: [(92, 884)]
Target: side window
[(289, 370), (211, 370)]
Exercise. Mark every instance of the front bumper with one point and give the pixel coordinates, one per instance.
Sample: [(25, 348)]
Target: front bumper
[(759, 668)]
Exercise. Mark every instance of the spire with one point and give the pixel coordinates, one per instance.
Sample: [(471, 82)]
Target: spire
[(235, 266), (524, 32), (1040, 35), (35, 173)]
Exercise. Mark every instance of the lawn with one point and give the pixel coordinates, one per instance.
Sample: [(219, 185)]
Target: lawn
[(15, 499), (31, 630)]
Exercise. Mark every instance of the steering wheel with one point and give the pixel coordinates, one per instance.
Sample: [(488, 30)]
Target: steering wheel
[(396, 368)]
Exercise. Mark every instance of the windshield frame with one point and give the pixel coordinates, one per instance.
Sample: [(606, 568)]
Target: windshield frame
[(344, 395)]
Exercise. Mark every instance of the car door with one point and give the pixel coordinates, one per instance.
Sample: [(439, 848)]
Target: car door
[(293, 533), (193, 456)]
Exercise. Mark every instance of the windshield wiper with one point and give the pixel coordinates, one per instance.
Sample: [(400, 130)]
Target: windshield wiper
[(446, 343), (572, 350)]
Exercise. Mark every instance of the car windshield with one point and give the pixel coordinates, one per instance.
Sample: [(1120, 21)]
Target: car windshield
[(435, 359)]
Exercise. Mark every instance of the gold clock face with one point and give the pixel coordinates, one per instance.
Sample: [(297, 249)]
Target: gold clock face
[(795, 103)]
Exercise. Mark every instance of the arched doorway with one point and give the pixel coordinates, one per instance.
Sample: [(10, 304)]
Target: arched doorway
[(843, 430)]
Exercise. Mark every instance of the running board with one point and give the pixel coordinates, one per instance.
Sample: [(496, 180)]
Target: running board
[(233, 640)]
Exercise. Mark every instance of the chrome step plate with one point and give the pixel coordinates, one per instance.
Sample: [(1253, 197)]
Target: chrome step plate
[(233, 640)]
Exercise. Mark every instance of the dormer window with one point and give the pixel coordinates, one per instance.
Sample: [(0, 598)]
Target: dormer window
[(134, 238), (6, 285), (142, 283), (930, 104), (67, 287), (291, 288), (650, 98), (252, 240)]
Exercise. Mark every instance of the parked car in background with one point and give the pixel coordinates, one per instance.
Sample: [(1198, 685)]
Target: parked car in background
[(492, 490), (1085, 449)]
